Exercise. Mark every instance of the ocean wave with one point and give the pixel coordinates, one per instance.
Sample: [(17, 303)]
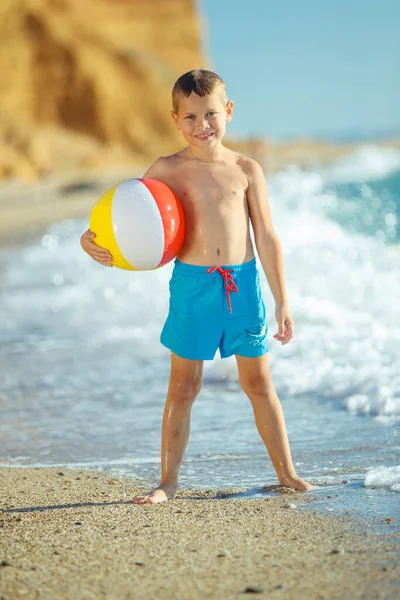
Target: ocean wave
[(383, 477), (340, 286)]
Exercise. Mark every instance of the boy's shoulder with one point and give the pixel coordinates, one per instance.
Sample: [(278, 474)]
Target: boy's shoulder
[(249, 166), (168, 158), (163, 165)]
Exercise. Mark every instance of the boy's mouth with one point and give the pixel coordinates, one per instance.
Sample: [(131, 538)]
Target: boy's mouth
[(204, 136)]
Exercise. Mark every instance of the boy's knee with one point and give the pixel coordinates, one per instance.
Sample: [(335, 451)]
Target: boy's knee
[(257, 386), (185, 390)]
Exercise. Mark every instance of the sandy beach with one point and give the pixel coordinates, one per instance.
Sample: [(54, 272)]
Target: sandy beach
[(69, 534), (27, 209), (86, 96)]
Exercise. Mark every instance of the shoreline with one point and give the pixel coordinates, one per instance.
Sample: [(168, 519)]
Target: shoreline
[(70, 534), (27, 208)]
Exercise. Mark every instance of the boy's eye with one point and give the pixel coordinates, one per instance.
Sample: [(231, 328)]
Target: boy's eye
[(211, 113)]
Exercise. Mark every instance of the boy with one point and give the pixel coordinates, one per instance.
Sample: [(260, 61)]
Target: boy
[(214, 306)]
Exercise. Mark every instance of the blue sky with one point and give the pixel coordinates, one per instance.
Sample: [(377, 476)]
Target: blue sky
[(307, 67)]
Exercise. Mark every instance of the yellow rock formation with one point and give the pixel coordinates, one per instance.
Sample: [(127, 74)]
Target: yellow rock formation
[(93, 72), (86, 84)]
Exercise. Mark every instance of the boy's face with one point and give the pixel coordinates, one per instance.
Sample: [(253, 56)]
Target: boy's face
[(202, 120)]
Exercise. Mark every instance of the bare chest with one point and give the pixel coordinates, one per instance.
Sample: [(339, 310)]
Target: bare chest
[(209, 188)]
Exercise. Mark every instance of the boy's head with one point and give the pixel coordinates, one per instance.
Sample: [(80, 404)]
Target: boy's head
[(200, 106), (200, 82)]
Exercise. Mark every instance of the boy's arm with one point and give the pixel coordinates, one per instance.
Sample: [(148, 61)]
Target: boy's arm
[(268, 247)]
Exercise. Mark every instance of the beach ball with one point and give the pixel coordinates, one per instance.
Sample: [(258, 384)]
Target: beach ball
[(140, 221)]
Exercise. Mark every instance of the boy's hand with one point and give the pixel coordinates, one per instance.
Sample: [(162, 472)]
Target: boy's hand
[(101, 255), (285, 325)]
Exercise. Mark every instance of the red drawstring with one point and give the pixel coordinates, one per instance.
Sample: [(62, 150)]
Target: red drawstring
[(230, 285)]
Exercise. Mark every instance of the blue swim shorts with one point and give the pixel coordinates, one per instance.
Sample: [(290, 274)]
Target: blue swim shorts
[(215, 307)]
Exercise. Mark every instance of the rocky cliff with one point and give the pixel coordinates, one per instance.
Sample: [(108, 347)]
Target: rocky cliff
[(86, 84), (86, 79)]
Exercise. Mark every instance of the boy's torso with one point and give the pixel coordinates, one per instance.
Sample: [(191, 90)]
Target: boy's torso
[(213, 197)]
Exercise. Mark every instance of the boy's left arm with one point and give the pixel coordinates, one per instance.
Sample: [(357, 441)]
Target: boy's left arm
[(269, 249)]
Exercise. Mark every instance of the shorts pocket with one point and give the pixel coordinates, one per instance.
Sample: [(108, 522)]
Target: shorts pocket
[(249, 298)]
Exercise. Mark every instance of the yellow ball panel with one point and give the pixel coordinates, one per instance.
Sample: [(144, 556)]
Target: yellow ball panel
[(101, 225)]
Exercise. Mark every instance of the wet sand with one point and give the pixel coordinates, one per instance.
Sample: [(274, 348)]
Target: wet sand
[(69, 534)]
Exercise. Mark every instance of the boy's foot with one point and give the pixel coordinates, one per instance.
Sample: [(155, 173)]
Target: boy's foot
[(298, 484), (159, 494)]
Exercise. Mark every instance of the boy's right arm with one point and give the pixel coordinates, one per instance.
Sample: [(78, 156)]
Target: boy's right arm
[(102, 255)]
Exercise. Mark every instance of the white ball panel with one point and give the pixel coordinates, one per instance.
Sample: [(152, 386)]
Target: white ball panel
[(137, 225)]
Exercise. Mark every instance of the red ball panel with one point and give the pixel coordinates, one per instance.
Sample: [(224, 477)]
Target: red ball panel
[(172, 217)]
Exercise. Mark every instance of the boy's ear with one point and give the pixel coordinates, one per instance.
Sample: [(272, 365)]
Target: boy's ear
[(175, 119), (229, 110)]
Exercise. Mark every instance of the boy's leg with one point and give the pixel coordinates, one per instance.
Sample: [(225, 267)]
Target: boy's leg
[(184, 385), (255, 379)]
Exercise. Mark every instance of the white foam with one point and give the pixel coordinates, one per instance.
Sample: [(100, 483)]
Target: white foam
[(381, 402), (383, 477), (367, 163), (346, 331), (86, 464)]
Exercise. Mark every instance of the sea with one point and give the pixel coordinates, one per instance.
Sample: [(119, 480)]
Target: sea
[(84, 376)]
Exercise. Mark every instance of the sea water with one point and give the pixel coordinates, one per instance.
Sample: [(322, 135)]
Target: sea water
[(84, 376)]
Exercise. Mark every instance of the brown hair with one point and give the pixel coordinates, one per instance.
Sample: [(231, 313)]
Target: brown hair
[(200, 81)]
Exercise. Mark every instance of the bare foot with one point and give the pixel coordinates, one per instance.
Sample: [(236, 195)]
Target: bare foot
[(296, 483), (159, 494)]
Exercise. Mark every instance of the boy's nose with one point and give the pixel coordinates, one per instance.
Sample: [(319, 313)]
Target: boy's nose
[(203, 124)]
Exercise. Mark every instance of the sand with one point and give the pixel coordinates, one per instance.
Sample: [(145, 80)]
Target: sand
[(26, 210), (69, 534)]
